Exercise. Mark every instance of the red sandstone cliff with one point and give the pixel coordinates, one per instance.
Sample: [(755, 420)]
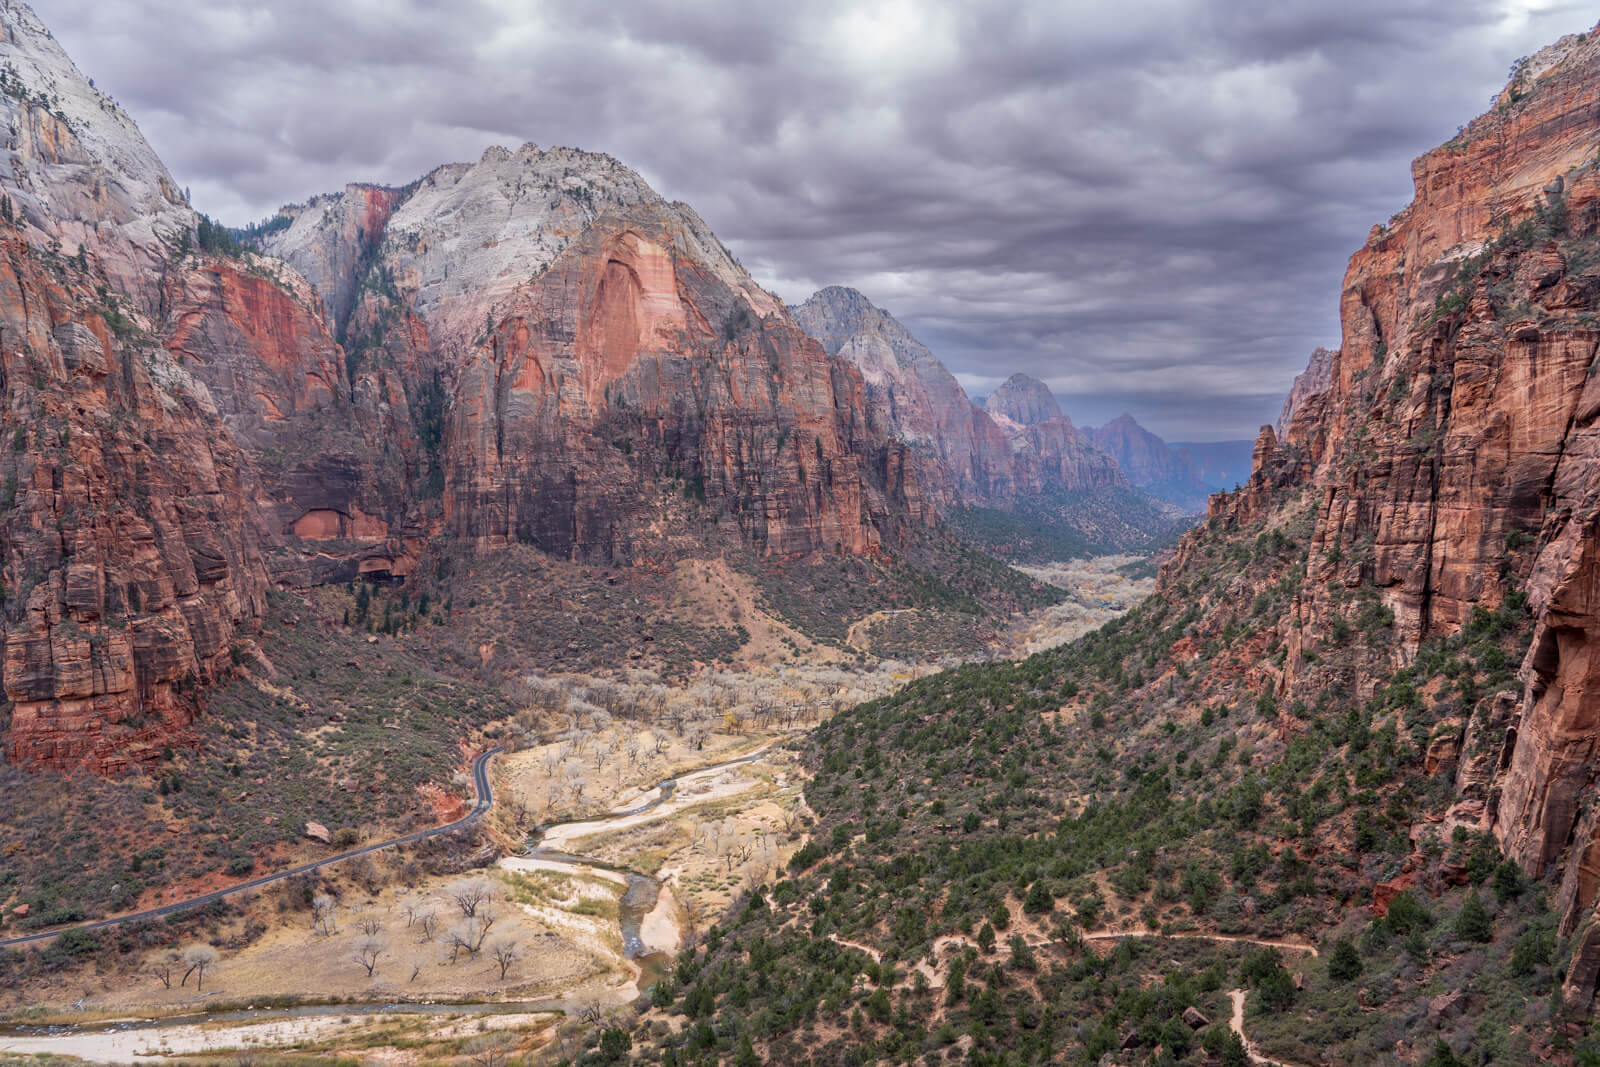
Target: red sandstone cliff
[(1452, 455), (536, 347), (128, 565)]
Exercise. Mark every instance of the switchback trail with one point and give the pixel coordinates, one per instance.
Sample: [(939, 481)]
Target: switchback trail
[(485, 800)]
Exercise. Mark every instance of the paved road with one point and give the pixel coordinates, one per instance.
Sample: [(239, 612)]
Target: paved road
[(480, 782)]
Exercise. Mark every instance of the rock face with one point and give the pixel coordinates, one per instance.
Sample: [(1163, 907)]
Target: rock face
[(81, 174), (128, 558), (1047, 450), (597, 363), (1019, 442), (927, 406), (962, 451), (1454, 453), (1150, 463), (535, 347), (1022, 401), (128, 563), (1313, 381)]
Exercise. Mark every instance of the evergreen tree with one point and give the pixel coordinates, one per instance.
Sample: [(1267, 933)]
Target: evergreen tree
[(1344, 962), (1233, 1052), (1473, 922)]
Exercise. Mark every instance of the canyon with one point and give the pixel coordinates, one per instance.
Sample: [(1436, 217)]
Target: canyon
[(532, 349), (1361, 688)]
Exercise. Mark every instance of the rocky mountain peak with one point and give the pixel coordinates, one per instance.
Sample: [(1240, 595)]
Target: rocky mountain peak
[(469, 235), (1022, 400), (81, 173)]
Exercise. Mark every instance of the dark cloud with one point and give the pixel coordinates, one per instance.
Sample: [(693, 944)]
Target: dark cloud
[(1147, 203)]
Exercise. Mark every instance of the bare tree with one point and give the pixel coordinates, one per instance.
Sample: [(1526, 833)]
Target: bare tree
[(576, 784), (659, 740), (368, 950), (323, 912), (429, 922), (198, 959), (505, 954), (369, 925), (164, 967), (552, 759), (490, 1050), (459, 940), (468, 895), (485, 919)]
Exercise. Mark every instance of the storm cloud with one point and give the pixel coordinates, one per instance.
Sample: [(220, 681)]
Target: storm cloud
[(1147, 203)]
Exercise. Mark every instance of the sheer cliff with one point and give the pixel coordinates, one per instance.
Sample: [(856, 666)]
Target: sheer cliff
[(534, 348), (1447, 450)]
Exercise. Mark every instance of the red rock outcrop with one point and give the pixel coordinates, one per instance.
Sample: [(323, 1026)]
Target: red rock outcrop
[(628, 382), (128, 561), (1047, 450), (1454, 455), (1313, 381)]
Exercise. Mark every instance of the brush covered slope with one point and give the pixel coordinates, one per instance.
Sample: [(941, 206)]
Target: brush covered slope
[(1332, 771)]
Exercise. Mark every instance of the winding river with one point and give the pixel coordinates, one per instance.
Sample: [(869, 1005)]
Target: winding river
[(151, 1040)]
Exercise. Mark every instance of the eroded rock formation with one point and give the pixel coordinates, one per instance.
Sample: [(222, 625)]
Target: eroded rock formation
[(1452, 453)]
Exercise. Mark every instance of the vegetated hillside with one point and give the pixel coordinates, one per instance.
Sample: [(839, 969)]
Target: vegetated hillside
[(1357, 717), (1061, 525), (979, 829), (361, 737)]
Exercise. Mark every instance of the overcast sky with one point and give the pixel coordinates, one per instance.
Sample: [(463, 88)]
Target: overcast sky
[(1147, 203)]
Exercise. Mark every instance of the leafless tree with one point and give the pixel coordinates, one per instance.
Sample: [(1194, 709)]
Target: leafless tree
[(660, 740), (602, 752), (486, 918), (411, 915), (323, 914), (505, 954), (490, 1050), (459, 940), (468, 895), (369, 925), (552, 759), (198, 959), (697, 734), (368, 950), (415, 970), (164, 967), (591, 1012), (736, 850), (429, 922)]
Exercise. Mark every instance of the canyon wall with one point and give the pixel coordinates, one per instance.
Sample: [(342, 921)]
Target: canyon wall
[(1449, 454)]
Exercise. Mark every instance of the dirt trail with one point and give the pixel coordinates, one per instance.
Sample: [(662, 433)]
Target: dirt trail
[(853, 639), (1236, 1024), (1139, 931)]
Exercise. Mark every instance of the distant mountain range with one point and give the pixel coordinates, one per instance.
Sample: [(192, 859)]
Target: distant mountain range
[(1019, 440)]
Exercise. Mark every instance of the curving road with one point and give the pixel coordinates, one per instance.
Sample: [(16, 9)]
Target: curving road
[(485, 800)]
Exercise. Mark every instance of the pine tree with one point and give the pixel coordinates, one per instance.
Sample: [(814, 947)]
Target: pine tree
[(1473, 922), (1344, 962)]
